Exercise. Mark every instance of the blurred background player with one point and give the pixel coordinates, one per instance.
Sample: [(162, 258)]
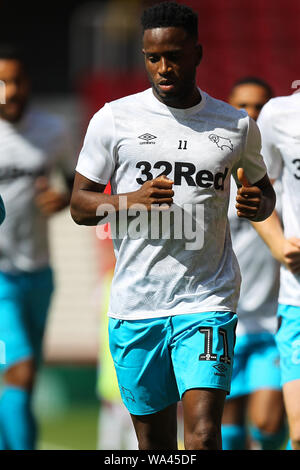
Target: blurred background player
[(250, 93), (255, 390), (32, 144), (279, 123)]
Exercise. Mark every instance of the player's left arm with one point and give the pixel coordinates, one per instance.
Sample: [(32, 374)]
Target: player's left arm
[(255, 202)]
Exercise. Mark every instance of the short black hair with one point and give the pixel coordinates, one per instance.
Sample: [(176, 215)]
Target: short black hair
[(254, 81), (167, 14)]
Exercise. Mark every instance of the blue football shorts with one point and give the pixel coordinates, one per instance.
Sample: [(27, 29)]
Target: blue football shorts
[(158, 359), (24, 304), (288, 342), (256, 364)]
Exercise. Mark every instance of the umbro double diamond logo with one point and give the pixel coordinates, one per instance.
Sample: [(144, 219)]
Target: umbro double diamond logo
[(221, 369), (147, 138)]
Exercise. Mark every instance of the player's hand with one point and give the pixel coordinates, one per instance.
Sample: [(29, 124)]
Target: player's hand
[(154, 192), (248, 199), (291, 254), (48, 200)]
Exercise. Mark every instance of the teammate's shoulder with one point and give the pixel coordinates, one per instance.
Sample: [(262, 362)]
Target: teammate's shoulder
[(224, 109), (282, 103)]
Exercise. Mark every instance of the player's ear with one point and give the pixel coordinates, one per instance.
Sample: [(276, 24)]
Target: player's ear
[(199, 52)]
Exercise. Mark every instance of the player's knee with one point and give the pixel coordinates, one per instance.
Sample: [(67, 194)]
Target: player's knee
[(156, 441), (268, 425), (21, 374), (295, 443), (202, 437), (295, 437)]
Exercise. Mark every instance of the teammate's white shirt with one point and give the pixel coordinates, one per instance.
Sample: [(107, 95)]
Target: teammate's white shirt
[(279, 122), (138, 137), (258, 300), (29, 148)]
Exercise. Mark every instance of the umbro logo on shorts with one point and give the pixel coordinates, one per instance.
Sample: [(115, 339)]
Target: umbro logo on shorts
[(221, 369), (147, 138)]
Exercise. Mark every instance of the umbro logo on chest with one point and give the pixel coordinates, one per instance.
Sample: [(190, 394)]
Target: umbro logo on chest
[(148, 138)]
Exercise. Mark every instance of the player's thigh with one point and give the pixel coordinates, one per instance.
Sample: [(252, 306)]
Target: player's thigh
[(202, 356), (157, 430), (143, 364), (203, 406), (235, 410), (291, 393), (266, 409), (202, 410)]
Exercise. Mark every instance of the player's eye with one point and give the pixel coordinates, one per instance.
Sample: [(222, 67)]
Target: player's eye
[(153, 58), (242, 105), (173, 56)]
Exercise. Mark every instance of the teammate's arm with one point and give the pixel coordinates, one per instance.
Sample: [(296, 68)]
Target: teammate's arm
[(286, 251), (255, 202), (48, 199), (88, 195)]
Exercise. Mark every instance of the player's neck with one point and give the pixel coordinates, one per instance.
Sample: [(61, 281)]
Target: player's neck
[(181, 102)]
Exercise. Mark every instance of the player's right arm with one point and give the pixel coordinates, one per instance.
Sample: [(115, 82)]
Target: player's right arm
[(95, 168), (88, 197)]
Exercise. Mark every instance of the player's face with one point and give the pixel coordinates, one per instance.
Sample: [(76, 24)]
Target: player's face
[(171, 59), (16, 89), (250, 97)]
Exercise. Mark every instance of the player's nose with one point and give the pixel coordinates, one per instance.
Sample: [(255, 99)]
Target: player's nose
[(164, 66)]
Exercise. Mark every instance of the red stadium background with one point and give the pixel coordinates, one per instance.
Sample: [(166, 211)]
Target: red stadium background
[(239, 39)]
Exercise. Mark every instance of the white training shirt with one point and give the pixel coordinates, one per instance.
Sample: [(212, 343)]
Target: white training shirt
[(279, 122), (137, 138), (29, 149), (258, 300)]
